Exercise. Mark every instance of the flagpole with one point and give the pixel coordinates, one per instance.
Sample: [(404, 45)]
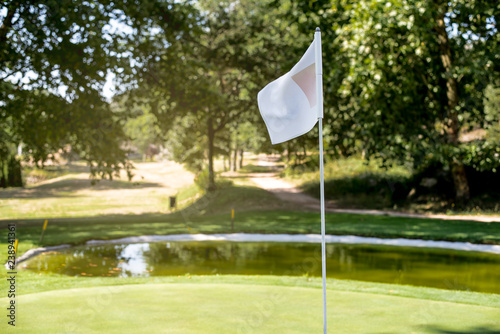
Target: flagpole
[(319, 99)]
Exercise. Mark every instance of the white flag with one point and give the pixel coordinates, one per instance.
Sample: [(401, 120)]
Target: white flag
[(288, 104)]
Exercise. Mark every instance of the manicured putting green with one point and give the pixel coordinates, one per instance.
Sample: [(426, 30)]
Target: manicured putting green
[(241, 308)]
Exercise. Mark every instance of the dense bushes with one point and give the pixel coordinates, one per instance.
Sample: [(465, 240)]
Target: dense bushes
[(10, 173), (353, 182)]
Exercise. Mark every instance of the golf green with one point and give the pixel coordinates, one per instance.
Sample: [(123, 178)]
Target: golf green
[(240, 308)]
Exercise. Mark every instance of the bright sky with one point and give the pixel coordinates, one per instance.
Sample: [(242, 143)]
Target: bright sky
[(108, 90)]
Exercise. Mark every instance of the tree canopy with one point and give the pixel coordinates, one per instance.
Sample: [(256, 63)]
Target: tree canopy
[(55, 57), (406, 78), (404, 81)]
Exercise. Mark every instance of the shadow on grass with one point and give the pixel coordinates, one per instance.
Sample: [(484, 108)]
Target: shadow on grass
[(259, 169), (221, 201), (66, 187), (209, 214), (228, 197), (476, 330)]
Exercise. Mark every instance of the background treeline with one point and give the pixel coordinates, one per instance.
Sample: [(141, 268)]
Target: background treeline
[(411, 83)]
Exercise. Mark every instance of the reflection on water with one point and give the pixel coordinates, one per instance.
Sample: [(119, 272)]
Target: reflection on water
[(402, 265), (134, 259)]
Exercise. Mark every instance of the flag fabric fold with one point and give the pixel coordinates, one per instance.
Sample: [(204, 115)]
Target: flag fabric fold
[(288, 105)]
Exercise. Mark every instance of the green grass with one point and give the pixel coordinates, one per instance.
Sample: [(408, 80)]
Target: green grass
[(351, 182), (249, 304), (32, 282), (79, 230), (187, 193), (72, 197), (251, 168), (356, 183), (339, 169), (33, 175), (257, 211), (72, 193), (225, 304)]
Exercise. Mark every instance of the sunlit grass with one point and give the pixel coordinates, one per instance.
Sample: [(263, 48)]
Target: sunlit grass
[(270, 304), (73, 194), (341, 168)]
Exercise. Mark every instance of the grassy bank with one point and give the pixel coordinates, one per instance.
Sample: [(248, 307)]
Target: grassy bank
[(257, 211), (357, 183), (79, 230)]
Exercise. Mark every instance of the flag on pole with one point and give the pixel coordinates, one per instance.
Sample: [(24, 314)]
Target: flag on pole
[(289, 104)]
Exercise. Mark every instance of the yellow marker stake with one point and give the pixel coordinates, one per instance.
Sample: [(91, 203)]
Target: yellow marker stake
[(15, 246), (43, 230), (232, 220)]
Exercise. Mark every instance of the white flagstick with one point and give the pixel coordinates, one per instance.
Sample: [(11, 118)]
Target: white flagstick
[(319, 99)]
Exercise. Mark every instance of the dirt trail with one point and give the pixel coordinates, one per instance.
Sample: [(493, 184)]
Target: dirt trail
[(289, 192)]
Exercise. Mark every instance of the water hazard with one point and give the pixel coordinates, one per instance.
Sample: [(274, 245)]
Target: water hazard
[(445, 269)]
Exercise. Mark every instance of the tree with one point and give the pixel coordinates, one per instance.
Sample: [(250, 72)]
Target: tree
[(209, 79), (54, 59), (246, 137), (409, 78), (141, 126)]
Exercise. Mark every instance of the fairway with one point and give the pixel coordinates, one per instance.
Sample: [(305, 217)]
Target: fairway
[(73, 195), (242, 308)]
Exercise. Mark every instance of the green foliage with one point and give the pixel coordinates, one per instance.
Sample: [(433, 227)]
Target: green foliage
[(248, 136), (54, 60), (186, 143), (482, 155), (191, 71), (205, 84), (143, 131), (14, 177), (492, 105), (389, 83), (201, 179), (354, 182)]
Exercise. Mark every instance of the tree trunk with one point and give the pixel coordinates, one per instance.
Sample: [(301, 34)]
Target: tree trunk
[(211, 136), (241, 158), (235, 158), (229, 153), (462, 192), (3, 180)]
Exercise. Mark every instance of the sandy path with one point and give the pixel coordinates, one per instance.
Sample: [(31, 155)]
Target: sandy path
[(289, 192)]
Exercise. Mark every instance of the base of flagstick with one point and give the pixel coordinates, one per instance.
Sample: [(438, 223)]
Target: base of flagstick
[(322, 196)]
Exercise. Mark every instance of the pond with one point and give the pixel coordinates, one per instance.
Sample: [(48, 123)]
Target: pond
[(445, 269)]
